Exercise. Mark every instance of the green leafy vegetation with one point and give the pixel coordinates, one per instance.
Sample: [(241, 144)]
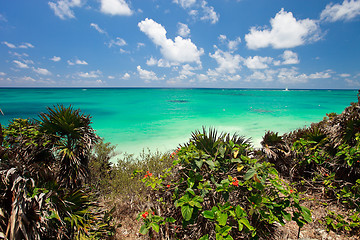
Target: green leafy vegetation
[(59, 180)]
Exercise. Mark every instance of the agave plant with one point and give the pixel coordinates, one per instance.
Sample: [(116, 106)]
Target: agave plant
[(74, 137), (209, 140)]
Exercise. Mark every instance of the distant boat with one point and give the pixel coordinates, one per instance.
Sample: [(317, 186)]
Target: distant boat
[(286, 89)]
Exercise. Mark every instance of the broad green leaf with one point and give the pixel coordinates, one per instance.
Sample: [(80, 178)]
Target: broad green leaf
[(205, 237), (170, 220), (246, 223), (186, 212), (286, 215), (208, 214), (249, 174), (306, 214), (143, 229), (222, 219), (199, 163), (155, 226)]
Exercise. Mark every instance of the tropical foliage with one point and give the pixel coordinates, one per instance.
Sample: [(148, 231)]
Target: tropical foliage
[(43, 169), (217, 189)]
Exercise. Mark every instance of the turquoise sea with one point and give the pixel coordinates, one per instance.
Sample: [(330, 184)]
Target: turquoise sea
[(135, 119)]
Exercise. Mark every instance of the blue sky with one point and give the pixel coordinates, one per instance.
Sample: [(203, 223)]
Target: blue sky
[(180, 43)]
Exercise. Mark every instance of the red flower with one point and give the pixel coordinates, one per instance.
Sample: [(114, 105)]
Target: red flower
[(145, 214), (146, 176), (252, 203), (168, 185), (235, 182), (291, 191), (326, 175)]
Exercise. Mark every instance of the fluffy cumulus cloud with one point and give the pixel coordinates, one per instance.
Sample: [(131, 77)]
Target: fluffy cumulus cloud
[(116, 7), (183, 30), (290, 57), (227, 62), (126, 76), (258, 62), (209, 13), (146, 75), (285, 32), (231, 44), (291, 76), (180, 50), (42, 71), (63, 8), (348, 10)]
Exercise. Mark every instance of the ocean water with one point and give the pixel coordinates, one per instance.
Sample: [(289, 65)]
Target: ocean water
[(161, 119)]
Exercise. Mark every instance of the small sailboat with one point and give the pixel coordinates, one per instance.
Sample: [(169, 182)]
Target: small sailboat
[(286, 89)]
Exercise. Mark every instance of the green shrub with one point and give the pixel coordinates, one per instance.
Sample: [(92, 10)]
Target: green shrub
[(216, 189)]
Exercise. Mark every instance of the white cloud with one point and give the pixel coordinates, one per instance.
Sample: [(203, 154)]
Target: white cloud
[(55, 59), (344, 75), (63, 8), (26, 45), (290, 57), (23, 45), (151, 62), (81, 62), (264, 76), (116, 7), (226, 61), (352, 83), (181, 50), (126, 76), (117, 42), (9, 45), (20, 64), (2, 74), (285, 32), (92, 74), (320, 75), (258, 62), (183, 30), (146, 75), (97, 28), (140, 45), (233, 44), (209, 13), (42, 71), (185, 3), (347, 11), (291, 76)]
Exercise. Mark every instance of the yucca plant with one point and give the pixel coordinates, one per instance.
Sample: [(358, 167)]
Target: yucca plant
[(73, 137), (208, 140)]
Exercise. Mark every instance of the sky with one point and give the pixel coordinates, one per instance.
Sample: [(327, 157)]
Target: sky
[(307, 44)]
